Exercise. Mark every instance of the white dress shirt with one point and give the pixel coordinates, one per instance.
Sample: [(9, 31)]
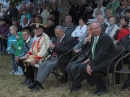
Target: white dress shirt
[(80, 32)]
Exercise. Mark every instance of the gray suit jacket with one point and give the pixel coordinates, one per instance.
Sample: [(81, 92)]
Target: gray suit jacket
[(70, 29)]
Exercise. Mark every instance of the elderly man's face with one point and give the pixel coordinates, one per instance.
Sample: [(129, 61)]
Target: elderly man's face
[(95, 28), (58, 33), (37, 31), (108, 14), (68, 19)]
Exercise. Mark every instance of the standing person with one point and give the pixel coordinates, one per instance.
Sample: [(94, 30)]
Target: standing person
[(11, 48), (121, 10), (19, 59), (18, 49), (56, 14), (4, 29), (112, 5), (101, 52)]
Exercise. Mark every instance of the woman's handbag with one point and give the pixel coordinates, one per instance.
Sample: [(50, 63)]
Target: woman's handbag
[(82, 58)]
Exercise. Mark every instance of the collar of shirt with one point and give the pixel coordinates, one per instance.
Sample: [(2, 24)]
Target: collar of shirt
[(102, 23), (28, 40), (97, 37), (62, 38), (25, 25)]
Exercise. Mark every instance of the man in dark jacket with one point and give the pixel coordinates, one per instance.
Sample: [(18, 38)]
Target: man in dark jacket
[(60, 45), (101, 52)]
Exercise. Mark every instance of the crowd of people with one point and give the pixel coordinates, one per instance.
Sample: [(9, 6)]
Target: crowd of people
[(91, 28)]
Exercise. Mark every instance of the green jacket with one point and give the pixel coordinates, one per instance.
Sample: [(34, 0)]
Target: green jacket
[(114, 6), (19, 44)]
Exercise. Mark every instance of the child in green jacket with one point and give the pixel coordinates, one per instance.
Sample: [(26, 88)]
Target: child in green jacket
[(18, 49)]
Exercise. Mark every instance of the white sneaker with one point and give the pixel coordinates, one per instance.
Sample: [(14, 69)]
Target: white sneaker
[(12, 72), (20, 73), (16, 73)]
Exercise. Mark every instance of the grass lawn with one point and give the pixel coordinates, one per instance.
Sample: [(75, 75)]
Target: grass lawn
[(10, 86)]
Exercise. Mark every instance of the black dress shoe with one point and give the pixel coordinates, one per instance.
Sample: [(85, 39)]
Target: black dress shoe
[(100, 92), (35, 86), (24, 82), (64, 80), (29, 81), (95, 92), (78, 87)]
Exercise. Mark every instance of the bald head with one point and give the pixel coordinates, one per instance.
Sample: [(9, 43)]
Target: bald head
[(95, 28)]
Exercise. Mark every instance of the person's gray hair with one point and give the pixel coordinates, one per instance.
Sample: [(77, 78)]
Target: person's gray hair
[(99, 1), (61, 28), (95, 22), (108, 10), (69, 16), (101, 17)]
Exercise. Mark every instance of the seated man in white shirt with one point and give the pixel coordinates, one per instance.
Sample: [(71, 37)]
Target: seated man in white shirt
[(80, 32)]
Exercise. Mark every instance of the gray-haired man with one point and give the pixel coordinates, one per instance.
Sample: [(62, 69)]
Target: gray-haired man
[(60, 45)]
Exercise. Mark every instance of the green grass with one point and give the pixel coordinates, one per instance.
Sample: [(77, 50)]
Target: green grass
[(10, 86)]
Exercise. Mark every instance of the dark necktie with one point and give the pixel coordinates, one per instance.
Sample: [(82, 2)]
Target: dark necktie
[(54, 53)]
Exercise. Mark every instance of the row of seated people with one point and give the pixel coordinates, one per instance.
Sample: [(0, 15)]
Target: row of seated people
[(101, 52)]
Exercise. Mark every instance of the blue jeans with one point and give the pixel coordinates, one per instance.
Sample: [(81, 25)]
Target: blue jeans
[(13, 62)]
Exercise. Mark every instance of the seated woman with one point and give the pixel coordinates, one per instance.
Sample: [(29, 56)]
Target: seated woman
[(123, 29), (83, 47), (80, 32), (108, 14), (111, 30)]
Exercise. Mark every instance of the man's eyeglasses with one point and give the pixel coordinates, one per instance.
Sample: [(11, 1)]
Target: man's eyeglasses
[(24, 34)]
